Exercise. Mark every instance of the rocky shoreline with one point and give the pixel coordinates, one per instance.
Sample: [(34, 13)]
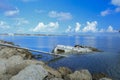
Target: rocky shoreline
[(19, 64)]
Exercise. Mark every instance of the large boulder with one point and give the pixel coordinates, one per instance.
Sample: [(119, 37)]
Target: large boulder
[(98, 76), (7, 52), (14, 64), (79, 75), (2, 66), (56, 79), (52, 73), (64, 71), (32, 72), (17, 63), (5, 77)]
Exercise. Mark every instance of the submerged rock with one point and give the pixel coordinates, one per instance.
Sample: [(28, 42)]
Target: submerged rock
[(32, 72)]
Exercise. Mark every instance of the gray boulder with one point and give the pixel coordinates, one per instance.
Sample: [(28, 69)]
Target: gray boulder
[(52, 72), (32, 72), (64, 71), (7, 52), (14, 64), (2, 66), (56, 79), (105, 79), (80, 75)]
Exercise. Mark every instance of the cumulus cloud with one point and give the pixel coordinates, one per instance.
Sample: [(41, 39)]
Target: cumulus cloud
[(110, 29), (41, 27), (4, 25), (116, 2), (77, 28), (90, 27), (60, 15), (105, 12), (11, 13)]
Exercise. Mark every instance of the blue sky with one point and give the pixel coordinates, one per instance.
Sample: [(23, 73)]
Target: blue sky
[(59, 16)]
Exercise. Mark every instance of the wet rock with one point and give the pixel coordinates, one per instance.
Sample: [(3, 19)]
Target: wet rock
[(79, 75), (24, 53), (97, 76), (32, 72), (64, 71), (105, 79)]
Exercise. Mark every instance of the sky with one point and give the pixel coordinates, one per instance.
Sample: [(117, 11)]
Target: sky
[(59, 16)]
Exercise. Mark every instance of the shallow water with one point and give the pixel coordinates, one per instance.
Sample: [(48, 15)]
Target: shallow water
[(107, 61)]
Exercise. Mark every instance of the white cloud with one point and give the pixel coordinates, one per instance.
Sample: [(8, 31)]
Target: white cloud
[(21, 21), (110, 29), (60, 15), (105, 12), (69, 29), (116, 2), (117, 9), (102, 30), (90, 27), (41, 27), (77, 28), (4, 25), (11, 13)]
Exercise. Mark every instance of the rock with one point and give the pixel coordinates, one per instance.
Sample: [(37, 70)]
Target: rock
[(32, 72), (14, 64), (24, 53), (52, 72), (79, 75), (2, 66), (7, 52), (56, 79), (64, 71), (5, 77), (97, 76), (6, 42), (105, 79), (29, 62)]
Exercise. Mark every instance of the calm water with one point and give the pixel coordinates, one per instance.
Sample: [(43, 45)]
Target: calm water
[(107, 61)]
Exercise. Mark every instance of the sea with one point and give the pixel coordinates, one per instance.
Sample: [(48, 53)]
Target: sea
[(107, 62)]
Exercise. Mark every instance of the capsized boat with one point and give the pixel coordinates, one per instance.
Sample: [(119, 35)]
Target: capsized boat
[(61, 49)]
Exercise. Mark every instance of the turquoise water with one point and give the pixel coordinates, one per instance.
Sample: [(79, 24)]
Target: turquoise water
[(107, 61)]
